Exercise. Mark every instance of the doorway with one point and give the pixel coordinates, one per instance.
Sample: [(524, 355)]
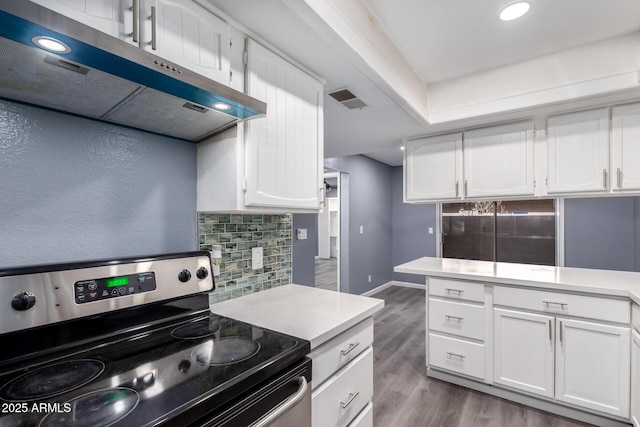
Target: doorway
[(328, 257)]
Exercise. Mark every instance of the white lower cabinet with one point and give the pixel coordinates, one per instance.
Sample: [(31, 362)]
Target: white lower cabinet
[(523, 351), (592, 366), (342, 379), (635, 379)]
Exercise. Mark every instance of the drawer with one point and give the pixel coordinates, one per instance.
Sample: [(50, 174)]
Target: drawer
[(339, 400), (456, 289), (364, 418), (456, 355), (457, 318), (564, 304), (334, 354), (635, 316)]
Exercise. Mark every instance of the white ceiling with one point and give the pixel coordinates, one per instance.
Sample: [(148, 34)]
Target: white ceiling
[(440, 39)]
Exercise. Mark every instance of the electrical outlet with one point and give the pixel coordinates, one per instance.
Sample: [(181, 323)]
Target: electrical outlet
[(362, 229), (430, 230), (257, 261), (302, 234), (369, 278)]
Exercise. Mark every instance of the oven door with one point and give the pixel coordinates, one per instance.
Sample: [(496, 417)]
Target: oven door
[(282, 401)]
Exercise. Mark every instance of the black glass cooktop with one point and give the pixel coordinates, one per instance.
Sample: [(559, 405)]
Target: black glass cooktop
[(149, 377)]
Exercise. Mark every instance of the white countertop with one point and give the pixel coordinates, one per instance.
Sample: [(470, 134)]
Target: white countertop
[(316, 315), (603, 282)]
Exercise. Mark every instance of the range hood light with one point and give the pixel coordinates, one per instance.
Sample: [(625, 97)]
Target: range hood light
[(221, 106), (50, 44)]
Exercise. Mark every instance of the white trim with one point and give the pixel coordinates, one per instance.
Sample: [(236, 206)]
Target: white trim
[(393, 283)]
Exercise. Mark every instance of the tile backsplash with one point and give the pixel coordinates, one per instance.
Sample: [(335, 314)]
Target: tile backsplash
[(238, 234)]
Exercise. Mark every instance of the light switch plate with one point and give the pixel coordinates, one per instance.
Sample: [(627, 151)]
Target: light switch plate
[(302, 234), (257, 261)]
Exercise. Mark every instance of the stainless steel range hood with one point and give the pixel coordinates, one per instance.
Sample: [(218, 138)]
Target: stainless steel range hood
[(107, 79)]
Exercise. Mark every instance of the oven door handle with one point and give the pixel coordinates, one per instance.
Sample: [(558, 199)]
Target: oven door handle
[(287, 404)]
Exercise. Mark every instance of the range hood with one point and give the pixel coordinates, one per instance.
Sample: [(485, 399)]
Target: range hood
[(105, 78)]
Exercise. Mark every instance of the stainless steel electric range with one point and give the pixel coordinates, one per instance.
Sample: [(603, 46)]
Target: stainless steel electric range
[(132, 342)]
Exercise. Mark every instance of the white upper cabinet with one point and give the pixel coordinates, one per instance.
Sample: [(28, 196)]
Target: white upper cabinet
[(187, 34), (114, 17), (284, 149), (625, 141), (433, 168), (498, 161), (578, 152)]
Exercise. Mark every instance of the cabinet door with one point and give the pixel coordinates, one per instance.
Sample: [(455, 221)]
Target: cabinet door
[(523, 351), (432, 168), (635, 379), (113, 17), (625, 141), (188, 35), (592, 366), (578, 152), (498, 161), (283, 150)]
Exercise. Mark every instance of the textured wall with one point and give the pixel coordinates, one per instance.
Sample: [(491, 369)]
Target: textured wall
[(304, 251), (410, 224), (75, 189), (238, 234)]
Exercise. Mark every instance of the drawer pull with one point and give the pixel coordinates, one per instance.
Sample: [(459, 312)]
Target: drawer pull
[(457, 291), (350, 349), (348, 402), (561, 304), (457, 318), (459, 356)]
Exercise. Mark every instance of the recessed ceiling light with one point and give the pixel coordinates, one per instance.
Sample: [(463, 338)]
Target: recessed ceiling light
[(221, 106), (51, 44), (402, 147), (514, 11)]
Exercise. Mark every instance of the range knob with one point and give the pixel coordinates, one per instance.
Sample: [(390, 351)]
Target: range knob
[(23, 301), (202, 273), (184, 276)]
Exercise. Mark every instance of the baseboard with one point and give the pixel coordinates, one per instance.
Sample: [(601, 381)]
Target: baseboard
[(392, 283)]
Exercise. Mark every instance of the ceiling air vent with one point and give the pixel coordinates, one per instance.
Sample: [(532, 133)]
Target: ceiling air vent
[(348, 99)]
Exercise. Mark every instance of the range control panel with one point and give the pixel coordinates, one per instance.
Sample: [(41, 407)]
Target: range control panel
[(113, 287)]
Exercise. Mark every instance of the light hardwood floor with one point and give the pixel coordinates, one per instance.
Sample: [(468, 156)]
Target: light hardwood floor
[(327, 274), (404, 396)]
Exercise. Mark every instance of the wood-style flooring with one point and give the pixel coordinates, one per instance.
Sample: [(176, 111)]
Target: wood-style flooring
[(327, 274), (404, 396)]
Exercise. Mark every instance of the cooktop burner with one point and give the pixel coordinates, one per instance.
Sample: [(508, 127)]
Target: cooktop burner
[(195, 330), (99, 408), (224, 351), (51, 380)]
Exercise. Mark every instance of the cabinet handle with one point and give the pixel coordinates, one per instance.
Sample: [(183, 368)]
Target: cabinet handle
[(348, 402), (619, 178), (457, 185), (465, 188), (561, 331), (135, 8), (449, 317), (550, 330), (350, 349), (459, 356), (604, 178), (458, 291), (154, 21), (561, 304)]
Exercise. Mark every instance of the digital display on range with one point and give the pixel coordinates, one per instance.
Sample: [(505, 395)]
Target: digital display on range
[(117, 281), (113, 287)]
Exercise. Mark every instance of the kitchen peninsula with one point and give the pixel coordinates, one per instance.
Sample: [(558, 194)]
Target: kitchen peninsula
[(559, 339)]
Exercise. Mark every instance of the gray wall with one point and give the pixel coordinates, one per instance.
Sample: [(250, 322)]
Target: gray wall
[(603, 233), (368, 204), (77, 189), (410, 224), (304, 251)]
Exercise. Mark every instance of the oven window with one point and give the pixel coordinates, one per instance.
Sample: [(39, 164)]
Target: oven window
[(521, 231)]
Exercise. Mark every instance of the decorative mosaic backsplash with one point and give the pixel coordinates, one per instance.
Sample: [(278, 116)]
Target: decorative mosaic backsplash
[(238, 234)]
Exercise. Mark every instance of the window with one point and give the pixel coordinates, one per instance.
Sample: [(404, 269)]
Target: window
[(522, 231)]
